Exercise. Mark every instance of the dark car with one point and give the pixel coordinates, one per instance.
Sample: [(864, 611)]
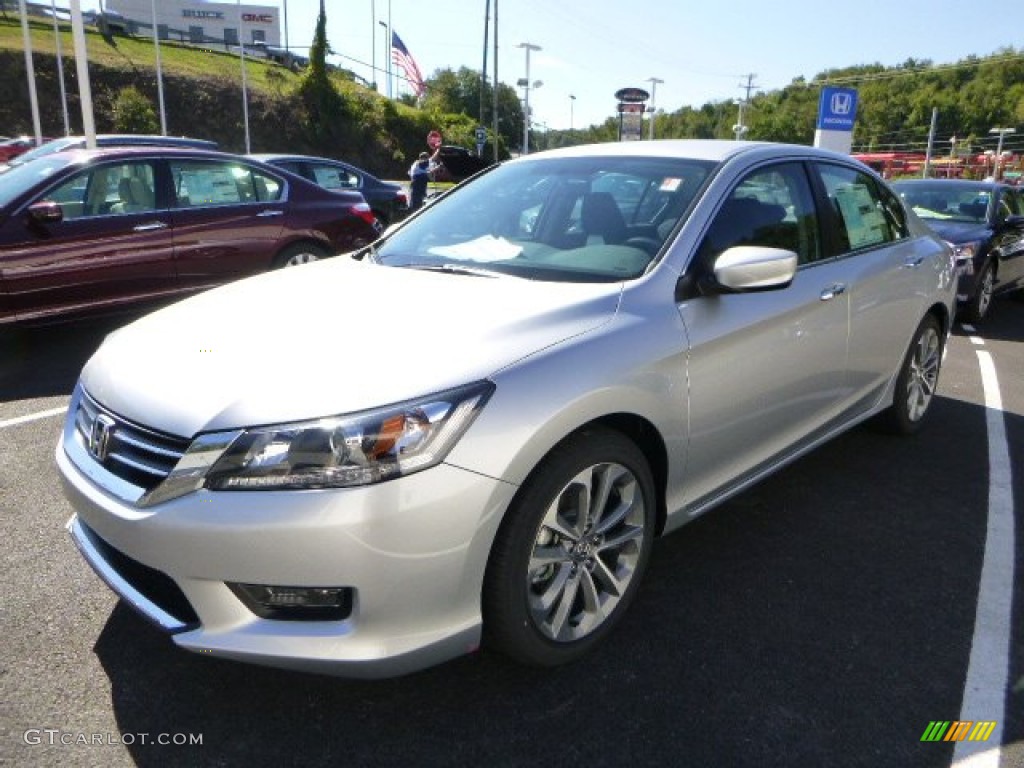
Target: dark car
[(456, 164), (387, 199), (108, 140), (86, 231), (983, 222), (12, 148)]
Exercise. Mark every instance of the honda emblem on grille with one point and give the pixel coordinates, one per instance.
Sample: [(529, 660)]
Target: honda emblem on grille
[(99, 437)]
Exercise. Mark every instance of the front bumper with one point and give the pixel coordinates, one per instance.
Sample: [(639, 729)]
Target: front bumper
[(412, 550)]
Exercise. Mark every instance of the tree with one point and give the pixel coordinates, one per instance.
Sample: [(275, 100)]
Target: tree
[(325, 109), (133, 113), (459, 93)]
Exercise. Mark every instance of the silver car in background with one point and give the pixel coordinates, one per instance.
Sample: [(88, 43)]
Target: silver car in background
[(474, 430)]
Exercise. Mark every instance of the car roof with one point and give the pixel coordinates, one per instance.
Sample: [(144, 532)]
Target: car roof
[(85, 156), (715, 150), (952, 183), (266, 157)]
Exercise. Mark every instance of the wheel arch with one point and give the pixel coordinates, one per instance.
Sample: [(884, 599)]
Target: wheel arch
[(642, 433)]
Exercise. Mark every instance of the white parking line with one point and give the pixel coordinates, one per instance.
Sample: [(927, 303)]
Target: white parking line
[(33, 417), (975, 340), (989, 666)]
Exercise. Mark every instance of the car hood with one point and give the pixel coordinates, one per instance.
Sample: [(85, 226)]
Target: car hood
[(328, 338), (958, 232)]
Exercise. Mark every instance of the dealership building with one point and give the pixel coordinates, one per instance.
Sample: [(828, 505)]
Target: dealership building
[(201, 22)]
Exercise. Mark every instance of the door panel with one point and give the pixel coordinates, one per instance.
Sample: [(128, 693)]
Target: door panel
[(112, 246), (767, 369), (227, 223), (886, 277)]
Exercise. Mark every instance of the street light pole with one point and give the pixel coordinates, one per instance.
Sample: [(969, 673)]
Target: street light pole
[(245, 83), (526, 108), (60, 69), (159, 75), (999, 150), (31, 72), (654, 89), (387, 56), (572, 106)]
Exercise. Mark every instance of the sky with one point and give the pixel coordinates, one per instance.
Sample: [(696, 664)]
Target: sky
[(703, 50)]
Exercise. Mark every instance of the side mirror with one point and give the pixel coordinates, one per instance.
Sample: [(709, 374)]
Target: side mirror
[(1014, 221), (755, 268), (45, 212)]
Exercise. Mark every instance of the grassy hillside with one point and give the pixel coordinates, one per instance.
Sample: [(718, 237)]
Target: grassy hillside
[(202, 95)]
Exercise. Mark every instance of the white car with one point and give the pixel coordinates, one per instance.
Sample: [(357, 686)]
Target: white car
[(476, 429)]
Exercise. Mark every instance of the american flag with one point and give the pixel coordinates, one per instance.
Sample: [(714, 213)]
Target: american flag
[(401, 57)]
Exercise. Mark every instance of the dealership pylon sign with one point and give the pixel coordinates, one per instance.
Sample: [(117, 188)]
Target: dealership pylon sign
[(837, 111)]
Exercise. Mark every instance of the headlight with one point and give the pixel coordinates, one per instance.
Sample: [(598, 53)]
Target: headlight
[(964, 255), (349, 450)]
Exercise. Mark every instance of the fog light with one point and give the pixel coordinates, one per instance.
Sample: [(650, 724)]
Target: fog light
[(295, 603)]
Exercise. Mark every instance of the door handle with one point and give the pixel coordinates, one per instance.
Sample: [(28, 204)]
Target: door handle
[(832, 291), (150, 226), (267, 214), (913, 262)]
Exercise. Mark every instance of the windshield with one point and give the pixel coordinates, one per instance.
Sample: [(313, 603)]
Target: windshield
[(947, 202), (57, 145), (22, 178), (578, 219)]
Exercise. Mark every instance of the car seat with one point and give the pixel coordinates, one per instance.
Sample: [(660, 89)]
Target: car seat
[(601, 219)]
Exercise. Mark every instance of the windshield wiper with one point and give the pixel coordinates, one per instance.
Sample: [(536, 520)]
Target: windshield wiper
[(455, 269)]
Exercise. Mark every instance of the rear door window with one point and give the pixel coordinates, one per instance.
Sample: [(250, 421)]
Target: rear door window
[(200, 183), (866, 214)]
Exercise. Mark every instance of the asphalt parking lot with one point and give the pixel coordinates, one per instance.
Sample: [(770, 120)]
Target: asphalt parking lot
[(823, 618)]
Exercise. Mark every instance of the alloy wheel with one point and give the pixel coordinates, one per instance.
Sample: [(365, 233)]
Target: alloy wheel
[(924, 373), (586, 552)]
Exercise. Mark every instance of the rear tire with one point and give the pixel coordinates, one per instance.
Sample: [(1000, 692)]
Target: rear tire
[(916, 381), (572, 550)]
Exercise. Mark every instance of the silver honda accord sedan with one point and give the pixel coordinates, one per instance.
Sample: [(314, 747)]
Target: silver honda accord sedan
[(473, 430)]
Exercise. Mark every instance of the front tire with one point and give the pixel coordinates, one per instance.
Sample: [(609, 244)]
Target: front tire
[(916, 381), (981, 300), (571, 551)]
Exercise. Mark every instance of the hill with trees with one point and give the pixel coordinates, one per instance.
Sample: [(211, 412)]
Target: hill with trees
[(327, 111)]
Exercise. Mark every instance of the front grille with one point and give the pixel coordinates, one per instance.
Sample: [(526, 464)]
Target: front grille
[(137, 455), (156, 586)]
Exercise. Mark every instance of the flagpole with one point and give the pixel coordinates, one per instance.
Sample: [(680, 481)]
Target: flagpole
[(391, 44)]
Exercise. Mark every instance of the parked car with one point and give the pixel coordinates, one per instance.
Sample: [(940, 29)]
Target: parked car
[(984, 222), (479, 429), (108, 140), (456, 163), (85, 231), (12, 148), (387, 199)]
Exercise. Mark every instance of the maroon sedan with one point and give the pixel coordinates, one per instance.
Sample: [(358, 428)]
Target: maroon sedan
[(87, 231), (11, 148)]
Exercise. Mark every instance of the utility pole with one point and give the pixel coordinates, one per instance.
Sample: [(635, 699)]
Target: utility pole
[(999, 150), (931, 143), (740, 128)]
